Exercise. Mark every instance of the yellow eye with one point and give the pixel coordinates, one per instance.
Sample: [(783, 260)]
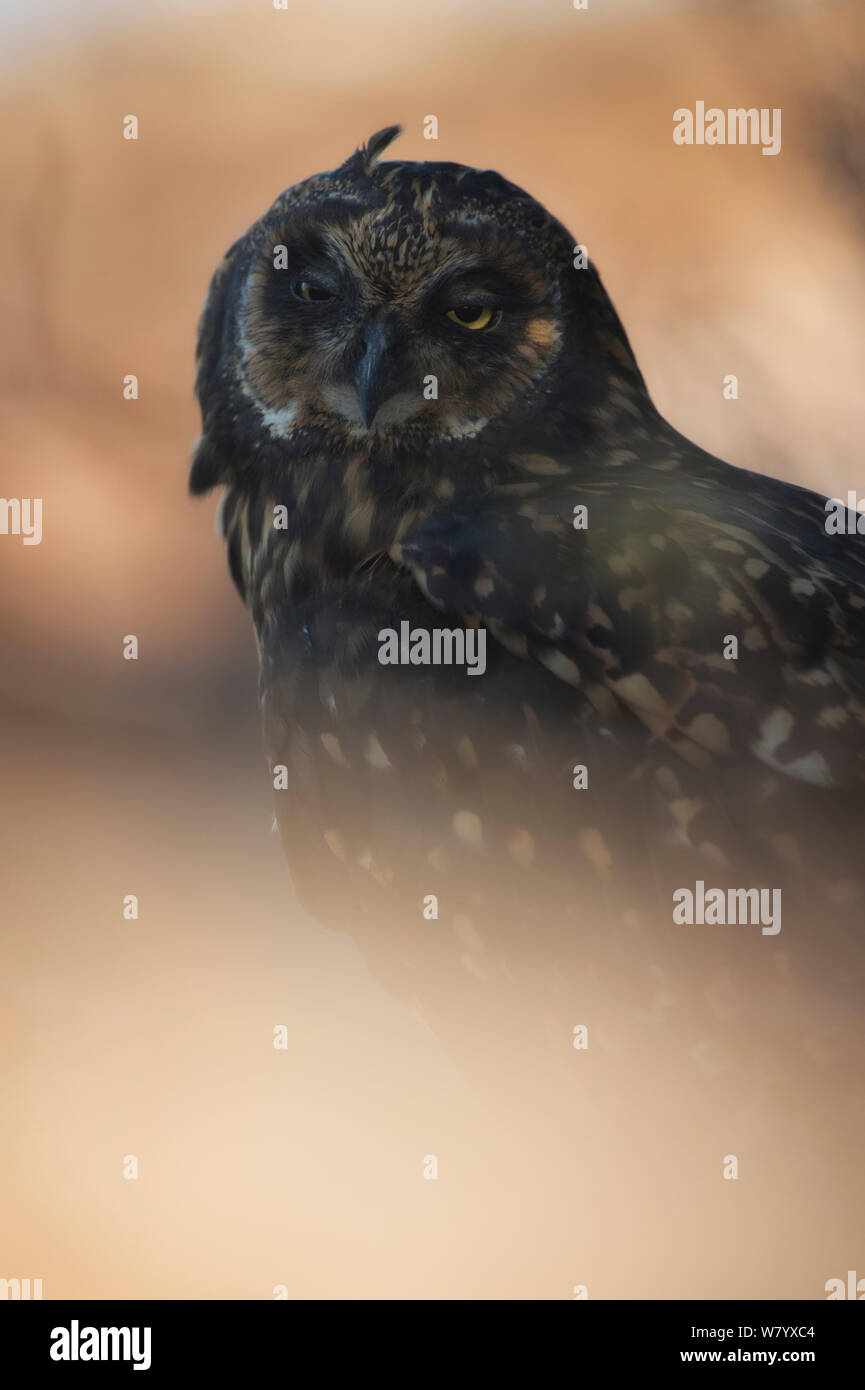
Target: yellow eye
[(472, 316)]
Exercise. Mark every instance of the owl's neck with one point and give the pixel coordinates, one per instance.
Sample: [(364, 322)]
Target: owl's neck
[(325, 519)]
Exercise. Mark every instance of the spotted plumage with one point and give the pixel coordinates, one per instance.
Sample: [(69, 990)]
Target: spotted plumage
[(423, 408)]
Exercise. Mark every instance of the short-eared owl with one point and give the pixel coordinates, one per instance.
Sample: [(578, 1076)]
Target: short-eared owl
[(431, 433)]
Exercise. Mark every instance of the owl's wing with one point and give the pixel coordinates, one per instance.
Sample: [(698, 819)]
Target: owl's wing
[(715, 609), (408, 785)]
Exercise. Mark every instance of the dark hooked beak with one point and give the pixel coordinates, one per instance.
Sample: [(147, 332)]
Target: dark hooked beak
[(375, 374)]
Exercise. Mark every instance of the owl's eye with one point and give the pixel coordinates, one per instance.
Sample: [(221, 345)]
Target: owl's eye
[(473, 316), (310, 292)]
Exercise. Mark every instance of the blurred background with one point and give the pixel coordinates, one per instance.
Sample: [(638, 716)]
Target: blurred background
[(154, 1037)]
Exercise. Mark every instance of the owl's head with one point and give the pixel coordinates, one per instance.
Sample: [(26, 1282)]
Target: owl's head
[(398, 305)]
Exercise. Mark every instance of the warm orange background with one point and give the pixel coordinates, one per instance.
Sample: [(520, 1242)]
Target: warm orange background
[(304, 1167)]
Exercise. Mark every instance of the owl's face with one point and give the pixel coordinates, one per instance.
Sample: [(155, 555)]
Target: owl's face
[(398, 309), (397, 306), (394, 316)]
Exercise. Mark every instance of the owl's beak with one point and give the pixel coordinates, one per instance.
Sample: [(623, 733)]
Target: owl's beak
[(375, 374)]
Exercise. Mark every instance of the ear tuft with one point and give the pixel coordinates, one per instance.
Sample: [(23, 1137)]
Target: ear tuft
[(364, 159)]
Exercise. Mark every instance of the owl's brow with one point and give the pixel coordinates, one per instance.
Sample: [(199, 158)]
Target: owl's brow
[(474, 268)]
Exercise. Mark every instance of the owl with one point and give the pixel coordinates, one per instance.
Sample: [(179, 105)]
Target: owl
[(540, 678)]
